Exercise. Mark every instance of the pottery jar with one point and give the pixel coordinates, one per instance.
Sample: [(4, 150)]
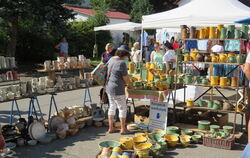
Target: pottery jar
[(214, 58), (231, 59), (210, 103), (190, 103), (214, 80), (227, 105), (199, 57), (218, 31), (237, 34), (212, 32), (207, 58), (234, 81), (223, 33), (240, 107), (223, 81), (222, 58), (244, 30), (127, 143), (240, 58)]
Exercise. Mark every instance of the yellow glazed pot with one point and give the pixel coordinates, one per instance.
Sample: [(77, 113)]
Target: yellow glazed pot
[(131, 67), (127, 143), (185, 140), (141, 135), (222, 58), (142, 150), (223, 81), (212, 32), (190, 102), (148, 65), (214, 80), (171, 140), (240, 108), (139, 140), (214, 59), (234, 81)]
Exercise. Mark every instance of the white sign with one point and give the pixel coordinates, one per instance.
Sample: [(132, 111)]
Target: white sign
[(158, 116)]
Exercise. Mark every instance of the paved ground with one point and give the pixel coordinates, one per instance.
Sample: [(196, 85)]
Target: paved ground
[(85, 143)]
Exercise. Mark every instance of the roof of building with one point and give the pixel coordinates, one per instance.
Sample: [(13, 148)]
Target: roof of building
[(110, 14)]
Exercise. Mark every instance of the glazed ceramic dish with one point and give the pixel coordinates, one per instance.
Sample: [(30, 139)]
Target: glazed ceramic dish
[(37, 130)]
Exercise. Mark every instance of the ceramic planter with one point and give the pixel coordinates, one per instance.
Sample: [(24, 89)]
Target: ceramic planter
[(210, 103), (216, 106), (231, 59), (186, 132), (196, 138), (228, 129), (202, 103), (204, 125), (172, 130), (214, 128)]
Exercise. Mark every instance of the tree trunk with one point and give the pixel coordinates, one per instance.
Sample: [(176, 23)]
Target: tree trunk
[(12, 42)]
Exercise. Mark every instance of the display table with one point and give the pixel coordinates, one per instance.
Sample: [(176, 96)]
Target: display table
[(159, 96)]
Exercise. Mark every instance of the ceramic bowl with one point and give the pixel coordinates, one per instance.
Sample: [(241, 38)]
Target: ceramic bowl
[(45, 139), (109, 144), (32, 142), (185, 140), (138, 140), (117, 149), (159, 131), (214, 128), (228, 129), (171, 140), (186, 132), (172, 130), (196, 138), (141, 135), (199, 133), (143, 146), (156, 137)]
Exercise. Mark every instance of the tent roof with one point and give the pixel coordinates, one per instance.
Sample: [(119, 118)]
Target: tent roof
[(198, 13), (127, 26), (244, 21)]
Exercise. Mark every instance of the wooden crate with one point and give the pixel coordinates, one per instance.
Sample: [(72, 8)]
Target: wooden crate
[(227, 144)]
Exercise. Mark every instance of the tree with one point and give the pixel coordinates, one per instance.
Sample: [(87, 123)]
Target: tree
[(140, 8), (164, 5), (120, 5), (45, 14)]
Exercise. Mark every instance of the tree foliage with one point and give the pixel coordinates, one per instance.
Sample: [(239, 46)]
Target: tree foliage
[(140, 8)]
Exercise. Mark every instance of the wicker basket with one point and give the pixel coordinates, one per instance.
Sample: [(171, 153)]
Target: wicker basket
[(227, 144)]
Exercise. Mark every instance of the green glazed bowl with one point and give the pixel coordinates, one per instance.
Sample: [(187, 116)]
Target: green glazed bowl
[(156, 137), (174, 134), (196, 138), (214, 128), (172, 129), (202, 103), (228, 129), (199, 133), (109, 144), (204, 125), (186, 132)]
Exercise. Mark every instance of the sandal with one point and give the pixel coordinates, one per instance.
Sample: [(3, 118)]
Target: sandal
[(127, 133)]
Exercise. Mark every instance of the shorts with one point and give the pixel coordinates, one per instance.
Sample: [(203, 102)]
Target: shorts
[(117, 102)]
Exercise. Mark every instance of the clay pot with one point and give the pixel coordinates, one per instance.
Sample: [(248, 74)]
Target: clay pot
[(207, 58), (199, 57), (227, 106)]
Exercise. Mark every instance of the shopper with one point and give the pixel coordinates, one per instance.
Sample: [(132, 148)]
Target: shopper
[(136, 53), (157, 54), (169, 57), (108, 53), (64, 48), (246, 70), (117, 80)]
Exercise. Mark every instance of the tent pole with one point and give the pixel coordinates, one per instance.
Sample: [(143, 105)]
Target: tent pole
[(141, 41)]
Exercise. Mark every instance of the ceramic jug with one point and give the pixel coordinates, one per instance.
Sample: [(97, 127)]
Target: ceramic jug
[(244, 30), (212, 32), (214, 80), (218, 31), (206, 31), (222, 58), (237, 34), (207, 58), (234, 81), (223, 81), (223, 33), (184, 31), (192, 32), (230, 31)]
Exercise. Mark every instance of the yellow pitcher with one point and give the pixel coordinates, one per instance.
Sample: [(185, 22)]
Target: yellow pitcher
[(202, 33), (212, 32), (206, 31), (214, 58), (131, 68), (240, 107), (214, 80), (187, 57), (193, 56), (127, 143), (190, 102), (218, 31), (153, 66)]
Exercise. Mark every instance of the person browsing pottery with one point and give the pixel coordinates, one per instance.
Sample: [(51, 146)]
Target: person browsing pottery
[(64, 48), (117, 80), (157, 54), (169, 57), (246, 69), (136, 53), (108, 53)]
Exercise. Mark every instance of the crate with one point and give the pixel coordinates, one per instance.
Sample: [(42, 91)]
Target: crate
[(227, 144)]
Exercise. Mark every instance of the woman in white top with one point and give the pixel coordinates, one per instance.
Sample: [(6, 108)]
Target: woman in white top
[(169, 57), (136, 53)]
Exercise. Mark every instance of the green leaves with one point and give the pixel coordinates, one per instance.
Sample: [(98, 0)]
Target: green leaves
[(140, 8)]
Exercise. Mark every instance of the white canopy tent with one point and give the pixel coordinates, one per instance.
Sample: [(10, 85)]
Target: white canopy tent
[(198, 13), (127, 26)]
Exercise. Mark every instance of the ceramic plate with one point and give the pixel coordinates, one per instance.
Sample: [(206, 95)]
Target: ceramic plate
[(37, 130), (54, 122)]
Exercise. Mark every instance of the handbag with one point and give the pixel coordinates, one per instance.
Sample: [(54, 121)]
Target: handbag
[(103, 95)]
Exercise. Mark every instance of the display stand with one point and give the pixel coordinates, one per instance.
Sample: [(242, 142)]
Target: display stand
[(237, 88), (87, 92), (52, 102), (32, 107), (14, 103)]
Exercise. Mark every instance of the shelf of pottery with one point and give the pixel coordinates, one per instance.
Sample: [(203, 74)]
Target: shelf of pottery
[(211, 58), (64, 65)]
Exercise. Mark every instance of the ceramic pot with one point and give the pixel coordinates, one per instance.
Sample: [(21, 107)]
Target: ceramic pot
[(223, 33), (214, 80), (237, 34), (228, 129), (171, 140), (192, 32), (205, 81), (190, 103), (210, 103), (218, 30), (214, 128), (234, 81), (240, 107), (186, 132), (202, 103), (230, 31), (172, 130), (188, 78), (204, 125), (127, 143), (232, 59), (196, 138), (212, 32), (222, 58), (214, 58), (223, 81), (199, 57), (240, 58), (216, 106)]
